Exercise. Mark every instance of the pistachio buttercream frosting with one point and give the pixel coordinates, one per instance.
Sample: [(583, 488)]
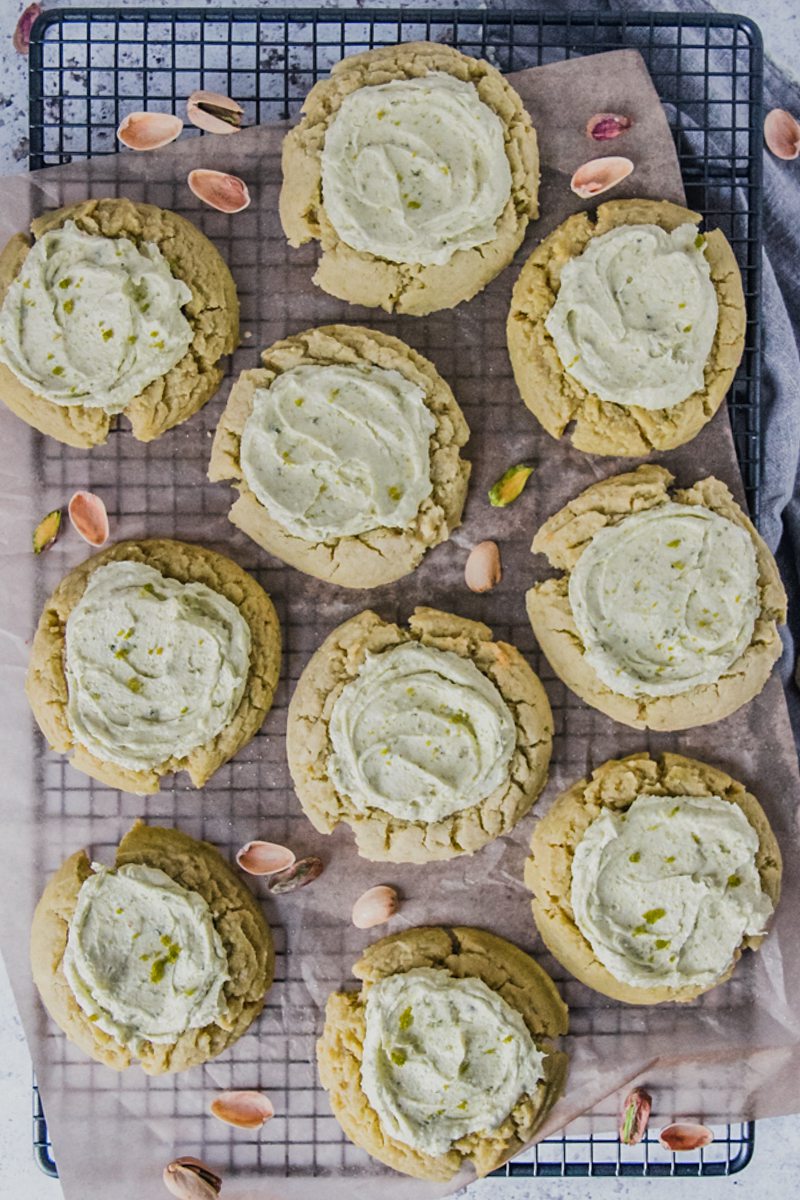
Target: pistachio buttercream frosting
[(444, 1057), (336, 450), (93, 320), (635, 315), (154, 667), (415, 169), (666, 891), (143, 958), (666, 599), (420, 733)]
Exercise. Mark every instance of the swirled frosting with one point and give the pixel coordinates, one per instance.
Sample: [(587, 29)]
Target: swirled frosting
[(334, 451), (143, 958), (636, 314), (93, 320), (665, 892), (415, 169), (666, 599), (444, 1057), (154, 667), (419, 733)]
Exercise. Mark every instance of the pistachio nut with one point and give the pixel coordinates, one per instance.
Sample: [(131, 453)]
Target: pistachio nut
[(635, 1115), (301, 873), (245, 1110), (214, 112), (510, 485), (483, 570), (605, 126), (47, 531), (190, 1179)]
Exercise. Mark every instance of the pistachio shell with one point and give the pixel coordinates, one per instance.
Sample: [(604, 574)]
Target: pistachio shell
[(89, 518), (782, 133), (47, 531), (301, 873), (264, 858), (683, 1136), (375, 907), (245, 1110), (190, 1179), (600, 174), (635, 1115), (22, 33), (148, 130), (214, 112), (510, 485), (226, 193), (605, 126), (483, 570)]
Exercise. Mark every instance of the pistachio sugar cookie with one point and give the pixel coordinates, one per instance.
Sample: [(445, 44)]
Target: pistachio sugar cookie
[(416, 168), (429, 741), (152, 657), (650, 878), (164, 958), (629, 325), (445, 1056), (666, 614), (114, 307), (344, 447)]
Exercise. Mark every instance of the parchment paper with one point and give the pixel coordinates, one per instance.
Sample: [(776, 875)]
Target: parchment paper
[(735, 1053)]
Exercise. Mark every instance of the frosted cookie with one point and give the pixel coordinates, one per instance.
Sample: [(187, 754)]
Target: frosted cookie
[(429, 741), (445, 1056), (667, 613), (417, 170), (627, 325), (153, 657), (164, 958), (345, 450), (113, 308), (652, 877)]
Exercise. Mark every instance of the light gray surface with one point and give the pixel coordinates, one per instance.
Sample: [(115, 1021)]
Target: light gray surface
[(773, 1173)]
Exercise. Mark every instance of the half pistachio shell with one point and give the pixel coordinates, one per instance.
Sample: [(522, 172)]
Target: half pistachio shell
[(214, 112), (148, 130), (605, 126), (300, 874), (635, 1116), (683, 1136), (190, 1179), (375, 907), (22, 33), (47, 531), (600, 174), (226, 193), (89, 518), (782, 133), (245, 1110), (264, 858), (483, 570)]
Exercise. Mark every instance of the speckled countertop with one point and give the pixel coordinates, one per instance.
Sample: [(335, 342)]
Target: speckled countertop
[(773, 1173)]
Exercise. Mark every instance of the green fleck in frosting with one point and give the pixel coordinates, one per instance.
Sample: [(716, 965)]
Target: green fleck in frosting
[(335, 451), (93, 320), (635, 316), (459, 1067), (665, 600), (154, 667), (420, 733), (415, 169), (664, 897), (143, 958)]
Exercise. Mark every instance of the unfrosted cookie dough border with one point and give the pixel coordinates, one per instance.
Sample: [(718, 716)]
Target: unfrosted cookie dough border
[(379, 836), (565, 536), (615, 785), (238, 920), (213, 313), (46, 684), (463, 951), (360, 277), (557, 399), (381, 555)]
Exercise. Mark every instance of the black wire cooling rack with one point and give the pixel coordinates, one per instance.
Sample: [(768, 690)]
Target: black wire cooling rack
[(88, 68)]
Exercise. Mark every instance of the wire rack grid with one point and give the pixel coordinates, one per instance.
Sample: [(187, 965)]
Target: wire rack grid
[(87, 69)]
